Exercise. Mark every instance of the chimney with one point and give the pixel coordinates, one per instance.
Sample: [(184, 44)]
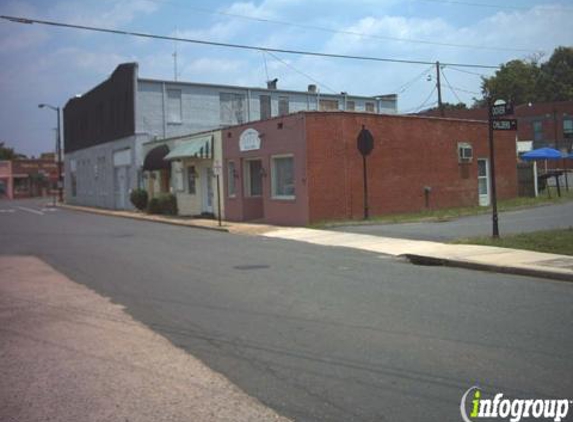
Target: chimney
[(272, 84), (312, 88)]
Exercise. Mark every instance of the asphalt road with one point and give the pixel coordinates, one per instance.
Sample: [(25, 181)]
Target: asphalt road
[(317, 333), (527, 220)]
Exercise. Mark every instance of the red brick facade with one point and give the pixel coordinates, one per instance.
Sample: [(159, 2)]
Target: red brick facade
[(410, 154)]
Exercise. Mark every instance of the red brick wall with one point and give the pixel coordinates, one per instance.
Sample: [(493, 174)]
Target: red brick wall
[(410, 153)]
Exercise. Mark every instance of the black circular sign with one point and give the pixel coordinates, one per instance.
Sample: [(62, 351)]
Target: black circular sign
[(365, 142)]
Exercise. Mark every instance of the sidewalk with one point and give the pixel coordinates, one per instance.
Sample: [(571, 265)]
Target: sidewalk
[(486, 258), (199, 223), (503, 260), (69, 354)]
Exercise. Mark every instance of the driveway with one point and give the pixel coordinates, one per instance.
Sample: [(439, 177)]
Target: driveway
[(526, 220)]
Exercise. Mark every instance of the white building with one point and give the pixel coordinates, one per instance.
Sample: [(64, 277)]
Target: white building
[(106, 128)]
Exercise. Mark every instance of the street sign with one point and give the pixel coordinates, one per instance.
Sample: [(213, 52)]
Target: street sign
[(365, 142), (501, 110), (504, 124)]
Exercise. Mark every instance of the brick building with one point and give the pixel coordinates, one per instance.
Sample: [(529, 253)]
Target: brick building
[(26, 178), (538, 125), (305, 168)]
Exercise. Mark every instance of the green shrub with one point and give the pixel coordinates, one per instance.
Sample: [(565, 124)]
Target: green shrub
[(138, 198), (153, 206), (168, 204)]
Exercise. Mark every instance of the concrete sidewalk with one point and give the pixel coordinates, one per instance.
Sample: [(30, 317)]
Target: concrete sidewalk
[(198, 223), (69, 354), (487, 258), (503, 260)]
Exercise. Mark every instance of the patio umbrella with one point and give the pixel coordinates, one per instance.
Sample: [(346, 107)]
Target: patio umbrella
[(542, 154)]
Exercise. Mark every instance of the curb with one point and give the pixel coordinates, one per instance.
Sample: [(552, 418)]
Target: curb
[(530, 272), (142, 218)]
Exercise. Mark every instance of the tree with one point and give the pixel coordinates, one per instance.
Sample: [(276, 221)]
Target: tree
[(451, 106), (6, 153), (515, 82), (557, 76), (523, 81)]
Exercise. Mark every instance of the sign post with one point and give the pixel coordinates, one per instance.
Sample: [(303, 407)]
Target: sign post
[(365, 143), (495, 123), (217, 170)]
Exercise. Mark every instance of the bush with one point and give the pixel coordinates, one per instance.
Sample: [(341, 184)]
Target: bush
[(138, 198), (168, 204), (153, 206)]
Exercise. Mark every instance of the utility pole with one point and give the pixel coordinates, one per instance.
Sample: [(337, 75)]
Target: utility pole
[(494, 216), (439, 87)]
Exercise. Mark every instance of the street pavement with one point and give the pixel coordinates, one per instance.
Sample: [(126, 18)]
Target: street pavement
[(526, 220), (317, 333)]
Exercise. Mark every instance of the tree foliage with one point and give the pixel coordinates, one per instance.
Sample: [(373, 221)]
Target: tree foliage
[(523, 81), (6, 153)]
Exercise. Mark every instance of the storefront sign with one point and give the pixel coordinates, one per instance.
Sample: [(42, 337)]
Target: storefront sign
[(249, 140)]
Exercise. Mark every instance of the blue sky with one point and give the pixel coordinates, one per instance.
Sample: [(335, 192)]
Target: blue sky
[(41, 64)]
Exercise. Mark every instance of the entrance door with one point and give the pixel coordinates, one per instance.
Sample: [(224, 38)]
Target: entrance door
[(483, 181), (121, 186), (208, 190)]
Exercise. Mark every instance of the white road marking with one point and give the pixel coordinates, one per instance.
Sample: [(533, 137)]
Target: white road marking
[(9, 210), (33, 211), (49, 209)]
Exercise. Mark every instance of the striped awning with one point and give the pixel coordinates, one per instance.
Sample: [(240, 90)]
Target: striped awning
[(200, 147)]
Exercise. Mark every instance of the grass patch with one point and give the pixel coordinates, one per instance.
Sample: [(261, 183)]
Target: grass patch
[(453, 213), (550, 241)]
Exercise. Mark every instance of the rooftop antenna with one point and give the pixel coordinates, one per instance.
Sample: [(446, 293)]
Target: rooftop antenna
[(265, 61), (175, 71)]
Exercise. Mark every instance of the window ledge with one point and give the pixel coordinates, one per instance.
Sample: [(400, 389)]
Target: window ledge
[(284, 198)]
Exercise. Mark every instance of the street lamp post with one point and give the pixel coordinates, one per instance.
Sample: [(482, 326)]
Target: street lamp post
[(58, 152)]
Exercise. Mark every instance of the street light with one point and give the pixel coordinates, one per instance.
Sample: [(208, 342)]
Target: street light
[(58, 151)]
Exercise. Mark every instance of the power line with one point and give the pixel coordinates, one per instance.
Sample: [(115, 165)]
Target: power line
[(408, 84), (481, 75), (339, 31), (300, 72), (415, 109), (497, 6), (450, 86), (231, 45)]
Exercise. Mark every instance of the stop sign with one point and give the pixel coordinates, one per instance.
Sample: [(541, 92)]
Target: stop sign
[(365, 142)]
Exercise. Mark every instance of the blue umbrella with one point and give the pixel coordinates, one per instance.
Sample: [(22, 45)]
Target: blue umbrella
[(542, 154)]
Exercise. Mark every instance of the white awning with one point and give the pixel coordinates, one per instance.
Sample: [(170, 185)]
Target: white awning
[(200, 147)]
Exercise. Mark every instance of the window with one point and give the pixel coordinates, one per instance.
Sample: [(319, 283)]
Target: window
[(253, 177), (232, 186), (282, 173), (232, 108), (283, 105), (568, 128), (174, 106), (21, 185), (537, 131), (350, 105), (369, 107), (191, 180), (265, 105), (328, 105)]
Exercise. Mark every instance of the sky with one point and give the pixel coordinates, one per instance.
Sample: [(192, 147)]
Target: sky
[(45, 64)]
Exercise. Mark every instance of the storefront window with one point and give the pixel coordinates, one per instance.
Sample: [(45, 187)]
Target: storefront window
[(283, 177), (232, 186)]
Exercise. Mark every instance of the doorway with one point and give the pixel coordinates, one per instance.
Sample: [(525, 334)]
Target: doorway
[(207, 190), (483, 182)]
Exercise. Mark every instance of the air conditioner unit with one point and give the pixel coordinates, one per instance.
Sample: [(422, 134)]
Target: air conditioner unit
[(465, 152)]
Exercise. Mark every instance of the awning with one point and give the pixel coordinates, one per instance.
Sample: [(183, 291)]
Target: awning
[(154, 159), (542, 154), (201, 147)]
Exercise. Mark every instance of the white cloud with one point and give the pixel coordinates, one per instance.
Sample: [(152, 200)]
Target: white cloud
[(111, 14)]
